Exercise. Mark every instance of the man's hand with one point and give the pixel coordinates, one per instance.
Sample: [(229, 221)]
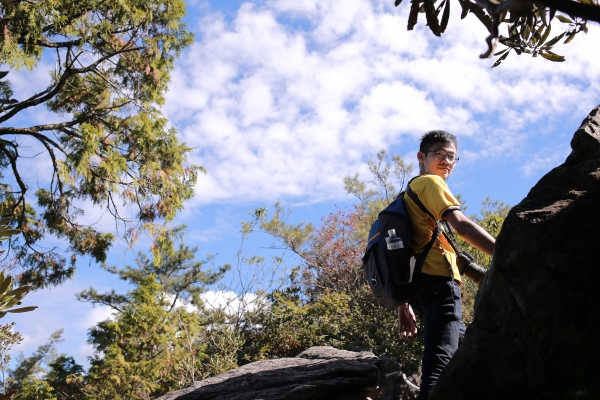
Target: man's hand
[(407, 323)]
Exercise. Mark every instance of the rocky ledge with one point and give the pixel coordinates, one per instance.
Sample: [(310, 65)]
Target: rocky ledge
[(317, 373)]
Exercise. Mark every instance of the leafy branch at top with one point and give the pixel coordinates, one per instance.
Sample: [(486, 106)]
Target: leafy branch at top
[(528, 23)]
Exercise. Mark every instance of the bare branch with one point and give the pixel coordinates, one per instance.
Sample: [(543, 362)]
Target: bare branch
[(32, 132), (48, 94), (13, 163)]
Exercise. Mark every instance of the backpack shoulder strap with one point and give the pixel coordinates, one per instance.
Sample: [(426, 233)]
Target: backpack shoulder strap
[(413, 196), (447, 232)]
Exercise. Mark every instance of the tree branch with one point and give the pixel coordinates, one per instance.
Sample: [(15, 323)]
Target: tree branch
[(34, 133), (55, 167), (53, 45), (574, 9), (13, 162), (35, 100), (498, 10)]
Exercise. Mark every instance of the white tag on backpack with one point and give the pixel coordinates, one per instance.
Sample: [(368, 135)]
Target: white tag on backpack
[(413, 262)]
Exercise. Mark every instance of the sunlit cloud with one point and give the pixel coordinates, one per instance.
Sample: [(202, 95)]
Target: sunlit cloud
[(544, 159), (288, 97)]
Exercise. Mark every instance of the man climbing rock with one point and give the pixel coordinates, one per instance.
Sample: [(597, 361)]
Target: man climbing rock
[(438, 296)]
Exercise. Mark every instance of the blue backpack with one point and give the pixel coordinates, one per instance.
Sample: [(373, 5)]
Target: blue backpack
[(390, 266)]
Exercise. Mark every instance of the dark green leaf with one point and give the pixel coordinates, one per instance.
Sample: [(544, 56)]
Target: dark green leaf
[(465, 10), (431, 16), (542, 13), (537, 35), (530, 22), (22, 309), (414, 15), (585, 28), (482, 16), (20, 291), (555, 40), (437, 10), (500, 60), (5, 283), (588, 2), (570, 37), (525, 31), (545, 35), (397, 2), (501, 52), (552, 14), (564, 19), (548, 55), (445, 17)]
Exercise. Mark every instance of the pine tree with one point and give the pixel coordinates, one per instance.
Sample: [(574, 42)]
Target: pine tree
[(109, 144)]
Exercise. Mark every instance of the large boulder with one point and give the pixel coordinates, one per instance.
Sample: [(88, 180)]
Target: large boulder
[(318, 373), (536, 331)]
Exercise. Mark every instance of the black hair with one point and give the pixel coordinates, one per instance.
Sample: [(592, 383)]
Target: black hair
[(433, 137)]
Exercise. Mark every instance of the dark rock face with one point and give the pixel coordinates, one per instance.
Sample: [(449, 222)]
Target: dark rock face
[(536, 332), (317, 373)]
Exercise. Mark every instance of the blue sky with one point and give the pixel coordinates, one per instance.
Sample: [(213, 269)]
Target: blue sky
[(281, 99)]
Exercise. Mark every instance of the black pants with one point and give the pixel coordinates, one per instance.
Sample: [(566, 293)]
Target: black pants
[(438, 301)]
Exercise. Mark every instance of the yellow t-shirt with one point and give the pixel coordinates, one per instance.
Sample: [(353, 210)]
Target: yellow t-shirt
[(435, 195)]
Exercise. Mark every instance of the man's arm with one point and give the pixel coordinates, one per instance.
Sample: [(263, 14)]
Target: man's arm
[(470, 231)]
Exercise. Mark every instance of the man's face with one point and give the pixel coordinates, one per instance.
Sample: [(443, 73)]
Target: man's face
[(430, 162)]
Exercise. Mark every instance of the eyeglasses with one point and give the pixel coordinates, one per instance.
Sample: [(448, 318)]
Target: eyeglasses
[(442, 155)]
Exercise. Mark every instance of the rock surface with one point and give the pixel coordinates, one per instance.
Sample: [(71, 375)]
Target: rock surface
[(536, 332), (317, 373)]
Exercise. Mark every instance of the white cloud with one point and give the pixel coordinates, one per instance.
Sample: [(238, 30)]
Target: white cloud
[(95, 315), (543, 160), (230, 301), (278, 110)]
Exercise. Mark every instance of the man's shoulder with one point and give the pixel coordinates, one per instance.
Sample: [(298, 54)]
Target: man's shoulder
[(435, 195), (428, 181)]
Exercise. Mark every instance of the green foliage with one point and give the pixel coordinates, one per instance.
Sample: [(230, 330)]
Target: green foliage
[(134, 351), (111, 146), (342, 320), (180, 275), (294, 236), (290, 326), (36, 365), (10, 297), (149, 350), (389, 178), (222, 346), (35, 389), (153, 345), (66, 377), (8, 339), (491, 219), (45, 374)]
